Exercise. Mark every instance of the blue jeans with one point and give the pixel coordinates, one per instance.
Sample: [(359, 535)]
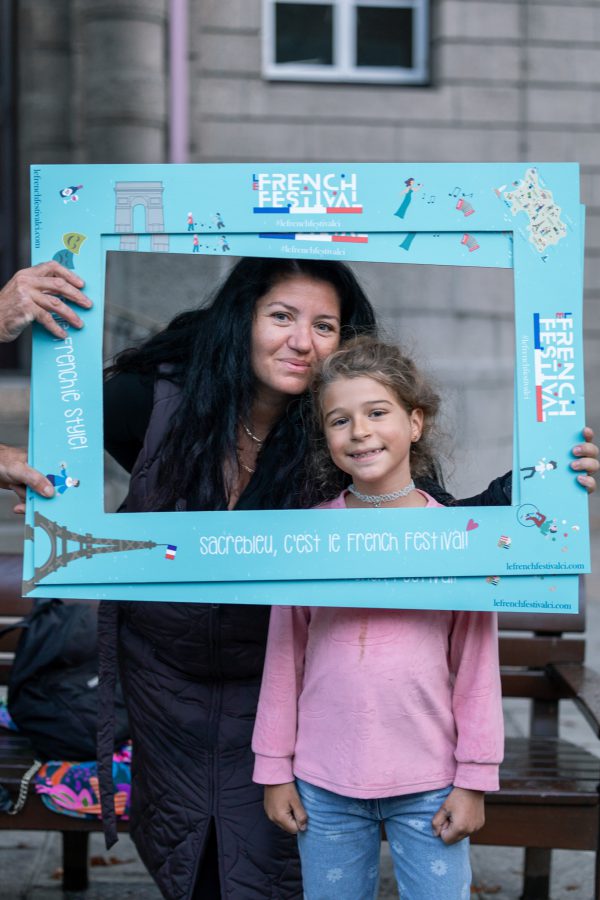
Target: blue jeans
[(339, 850)]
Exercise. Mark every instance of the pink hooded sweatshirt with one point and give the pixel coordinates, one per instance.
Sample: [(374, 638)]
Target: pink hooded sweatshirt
[(374, 703)]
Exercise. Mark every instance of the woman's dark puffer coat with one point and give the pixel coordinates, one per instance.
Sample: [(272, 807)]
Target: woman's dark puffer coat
[(191, 678)]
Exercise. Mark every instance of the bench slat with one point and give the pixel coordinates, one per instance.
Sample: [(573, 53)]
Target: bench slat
[(543, 771), (533, 684), (8, 642), (537, 652), (36, 817), (561, 827)]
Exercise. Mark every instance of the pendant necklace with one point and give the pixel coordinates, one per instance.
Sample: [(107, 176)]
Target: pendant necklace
[(256, 440), (251, 435), (377, 499)]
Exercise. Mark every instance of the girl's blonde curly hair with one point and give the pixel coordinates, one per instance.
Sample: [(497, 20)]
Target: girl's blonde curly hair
[(386, 363)]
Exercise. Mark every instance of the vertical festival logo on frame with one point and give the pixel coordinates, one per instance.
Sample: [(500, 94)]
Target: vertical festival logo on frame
[(299, 193), (556, 365)]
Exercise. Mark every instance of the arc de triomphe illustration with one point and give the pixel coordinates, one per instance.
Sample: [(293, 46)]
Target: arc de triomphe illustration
[(149, 194)]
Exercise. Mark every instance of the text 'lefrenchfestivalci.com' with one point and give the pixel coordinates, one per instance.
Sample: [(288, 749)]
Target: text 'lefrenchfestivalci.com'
[(530, 604)]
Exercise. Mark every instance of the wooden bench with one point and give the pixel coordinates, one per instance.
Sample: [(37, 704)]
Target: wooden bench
[(549, 787), (17, 756)]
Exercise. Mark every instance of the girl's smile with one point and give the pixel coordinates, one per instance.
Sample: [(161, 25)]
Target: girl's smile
[(369, 433), (366, 455)]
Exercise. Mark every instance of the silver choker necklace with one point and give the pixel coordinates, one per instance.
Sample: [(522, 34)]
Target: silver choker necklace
[(378, 499)]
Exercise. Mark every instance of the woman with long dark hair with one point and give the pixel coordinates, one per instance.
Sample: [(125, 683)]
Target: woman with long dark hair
[(207, 415)]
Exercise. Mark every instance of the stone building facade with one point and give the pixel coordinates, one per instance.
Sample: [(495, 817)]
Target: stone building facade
[(514, 80)]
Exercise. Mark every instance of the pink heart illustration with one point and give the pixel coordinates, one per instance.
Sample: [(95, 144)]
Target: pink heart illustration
[(471, 525)]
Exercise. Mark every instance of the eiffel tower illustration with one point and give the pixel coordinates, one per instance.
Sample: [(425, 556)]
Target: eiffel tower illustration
[(60, 554)]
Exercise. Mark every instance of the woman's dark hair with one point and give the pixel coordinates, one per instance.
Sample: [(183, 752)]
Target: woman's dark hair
[(386, 363), (208, 354)]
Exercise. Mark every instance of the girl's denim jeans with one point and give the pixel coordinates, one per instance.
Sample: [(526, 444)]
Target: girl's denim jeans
[(340, 848)]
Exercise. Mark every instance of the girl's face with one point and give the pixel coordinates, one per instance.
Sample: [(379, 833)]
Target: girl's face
[(296, 324), (369, 433)]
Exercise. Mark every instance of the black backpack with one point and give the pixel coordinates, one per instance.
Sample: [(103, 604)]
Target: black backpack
[(53, 685)]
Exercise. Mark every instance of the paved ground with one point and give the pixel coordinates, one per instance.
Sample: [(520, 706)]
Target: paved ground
[(29, 864), (29, 861), (29, 867)]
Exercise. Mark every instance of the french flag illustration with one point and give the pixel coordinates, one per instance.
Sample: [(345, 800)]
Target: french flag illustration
[(171, 551)]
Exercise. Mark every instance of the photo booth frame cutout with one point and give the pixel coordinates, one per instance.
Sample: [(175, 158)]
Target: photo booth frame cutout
[(524, 216)]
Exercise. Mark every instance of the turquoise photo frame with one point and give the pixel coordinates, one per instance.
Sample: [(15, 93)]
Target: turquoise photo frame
[(512, 215)]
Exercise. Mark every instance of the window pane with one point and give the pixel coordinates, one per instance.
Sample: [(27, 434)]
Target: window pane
[(304, 33), (384, 37)]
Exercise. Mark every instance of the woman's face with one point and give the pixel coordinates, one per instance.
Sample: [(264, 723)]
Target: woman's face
[(296, 324)]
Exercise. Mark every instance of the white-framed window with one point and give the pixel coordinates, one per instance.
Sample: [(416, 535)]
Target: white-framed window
[(385, 41)]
